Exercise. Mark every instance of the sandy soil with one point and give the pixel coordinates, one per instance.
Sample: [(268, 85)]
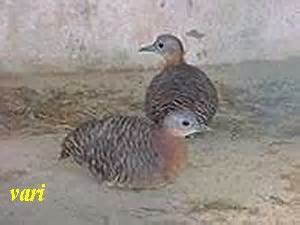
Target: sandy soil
[(245, 172)]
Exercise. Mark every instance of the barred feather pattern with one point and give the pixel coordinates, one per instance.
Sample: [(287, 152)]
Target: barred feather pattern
[(184, 87), (126, 151)]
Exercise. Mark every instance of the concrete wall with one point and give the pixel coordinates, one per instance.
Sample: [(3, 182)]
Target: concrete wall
[(42, 35)]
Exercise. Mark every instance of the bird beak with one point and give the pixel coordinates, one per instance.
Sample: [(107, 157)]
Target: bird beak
[(201, 130), (207, 128), (149, 48)]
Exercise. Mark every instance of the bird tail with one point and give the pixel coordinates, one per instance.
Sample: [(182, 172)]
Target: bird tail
[(65, 152), (63, 155)]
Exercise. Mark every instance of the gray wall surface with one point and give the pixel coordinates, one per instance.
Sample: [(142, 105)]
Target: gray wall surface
[(64, 36)]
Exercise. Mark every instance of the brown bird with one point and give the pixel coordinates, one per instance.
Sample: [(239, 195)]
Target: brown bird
[(179, 86), (131, 151)]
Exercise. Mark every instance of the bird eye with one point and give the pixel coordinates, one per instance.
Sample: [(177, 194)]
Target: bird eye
[(160, 45), (185, 123)]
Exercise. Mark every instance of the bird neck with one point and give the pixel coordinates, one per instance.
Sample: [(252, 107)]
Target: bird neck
[(174, 59), (171, 149)]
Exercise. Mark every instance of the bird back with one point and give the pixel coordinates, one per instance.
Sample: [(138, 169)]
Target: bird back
[(181, 87), (125, 151)]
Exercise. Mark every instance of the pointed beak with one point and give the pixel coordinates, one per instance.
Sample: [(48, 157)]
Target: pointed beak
[(206, 128), (201, 130), (148, 48)]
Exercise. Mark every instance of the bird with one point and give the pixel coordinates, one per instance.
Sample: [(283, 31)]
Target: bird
[(130, 151), (179, 86)]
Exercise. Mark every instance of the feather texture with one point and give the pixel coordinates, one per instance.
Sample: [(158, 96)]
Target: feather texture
[(126, 151), (181, 87)]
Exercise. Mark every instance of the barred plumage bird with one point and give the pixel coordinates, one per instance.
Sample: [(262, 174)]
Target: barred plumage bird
[(131, 151), (179, 86)]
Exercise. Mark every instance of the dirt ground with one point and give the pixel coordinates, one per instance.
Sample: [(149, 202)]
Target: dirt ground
[(247, 171)]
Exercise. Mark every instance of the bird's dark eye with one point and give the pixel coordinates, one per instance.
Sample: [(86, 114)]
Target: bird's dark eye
[(160, 45), (185, 123)]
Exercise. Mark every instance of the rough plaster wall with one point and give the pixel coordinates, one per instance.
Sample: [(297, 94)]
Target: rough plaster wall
[(42, 35)]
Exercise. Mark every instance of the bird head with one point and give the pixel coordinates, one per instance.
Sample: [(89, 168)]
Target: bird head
[(183, 123), (168, 46)]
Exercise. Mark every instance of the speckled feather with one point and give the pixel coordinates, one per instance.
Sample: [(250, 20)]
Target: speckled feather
[(181, 86), (126, 151)]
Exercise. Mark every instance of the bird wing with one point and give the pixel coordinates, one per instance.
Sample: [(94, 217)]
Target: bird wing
[(186, 87)]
